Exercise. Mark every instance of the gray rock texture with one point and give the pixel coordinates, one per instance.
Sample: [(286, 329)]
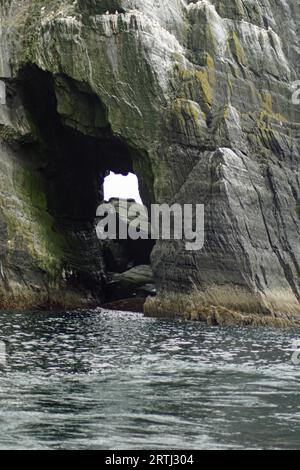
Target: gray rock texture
[(135, 281), (121, 255), (196, 99)]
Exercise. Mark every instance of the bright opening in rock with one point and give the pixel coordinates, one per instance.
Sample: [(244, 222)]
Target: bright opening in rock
[(79, 162), (122, 187), (127, 261)]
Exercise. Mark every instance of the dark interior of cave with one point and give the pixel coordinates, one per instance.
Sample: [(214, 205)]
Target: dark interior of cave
[(72, 154)]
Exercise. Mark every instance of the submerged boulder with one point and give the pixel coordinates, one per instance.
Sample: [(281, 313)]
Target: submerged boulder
[(196, 98), (137, 281)]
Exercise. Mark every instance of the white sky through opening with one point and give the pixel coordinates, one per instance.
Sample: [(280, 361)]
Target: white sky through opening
[(124, 187)]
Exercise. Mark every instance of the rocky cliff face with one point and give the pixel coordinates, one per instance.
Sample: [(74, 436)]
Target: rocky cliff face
[(196, 99)]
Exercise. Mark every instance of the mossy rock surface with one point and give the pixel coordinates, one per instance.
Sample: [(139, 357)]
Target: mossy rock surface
[(195, 97)]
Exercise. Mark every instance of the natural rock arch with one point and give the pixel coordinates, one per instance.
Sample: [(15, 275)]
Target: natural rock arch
[(71, 150)]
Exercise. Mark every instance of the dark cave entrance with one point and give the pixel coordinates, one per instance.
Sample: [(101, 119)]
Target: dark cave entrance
[(72, 152)]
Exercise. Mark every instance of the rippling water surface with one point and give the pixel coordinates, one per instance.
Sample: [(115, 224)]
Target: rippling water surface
[(106, 380)]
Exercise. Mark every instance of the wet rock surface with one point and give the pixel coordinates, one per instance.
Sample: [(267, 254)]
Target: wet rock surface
[(196, 99), (137, 281), (123, 254)]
